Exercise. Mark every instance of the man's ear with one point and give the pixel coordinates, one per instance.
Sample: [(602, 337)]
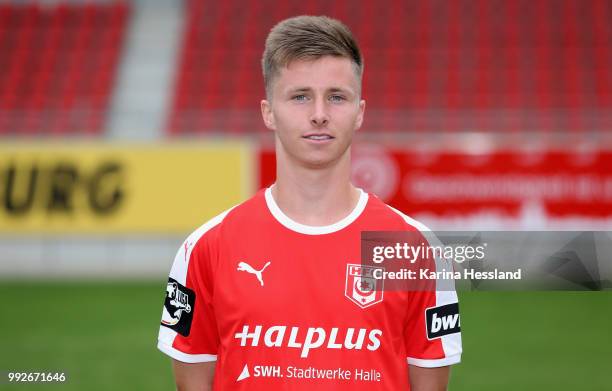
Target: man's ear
[(359, 119), (267, 115)]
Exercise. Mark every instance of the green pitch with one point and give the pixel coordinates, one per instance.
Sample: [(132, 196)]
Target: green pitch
[(103, 336)]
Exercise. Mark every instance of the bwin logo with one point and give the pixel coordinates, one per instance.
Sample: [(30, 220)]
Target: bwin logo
[(442, 320), (444, 323), (245, 267)]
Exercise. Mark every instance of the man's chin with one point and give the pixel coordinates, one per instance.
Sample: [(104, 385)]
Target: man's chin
[(316, 160), (320, 162), (317, 164)]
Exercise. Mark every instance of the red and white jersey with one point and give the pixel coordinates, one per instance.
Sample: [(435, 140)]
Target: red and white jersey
[(277, 304)]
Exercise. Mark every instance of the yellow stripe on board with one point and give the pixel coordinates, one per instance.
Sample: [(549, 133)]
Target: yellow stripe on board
[(119, 188)]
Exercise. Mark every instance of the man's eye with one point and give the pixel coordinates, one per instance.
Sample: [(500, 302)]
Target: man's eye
[(299, 98), (336, 98)]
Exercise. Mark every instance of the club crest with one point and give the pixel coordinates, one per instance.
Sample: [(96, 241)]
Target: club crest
[(361, 287)]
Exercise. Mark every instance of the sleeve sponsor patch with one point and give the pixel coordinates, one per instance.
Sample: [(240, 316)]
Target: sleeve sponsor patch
[(442, 320), (178, 307)]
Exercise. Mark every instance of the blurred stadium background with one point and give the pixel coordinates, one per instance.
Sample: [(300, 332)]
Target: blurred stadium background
[(126, 124)]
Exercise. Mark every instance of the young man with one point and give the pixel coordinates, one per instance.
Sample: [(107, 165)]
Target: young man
[(266, 295)]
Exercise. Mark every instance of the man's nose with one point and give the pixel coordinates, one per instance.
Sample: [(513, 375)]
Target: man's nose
[(319, 116)]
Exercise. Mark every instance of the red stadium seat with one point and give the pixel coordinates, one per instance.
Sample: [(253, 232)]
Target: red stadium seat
[(484, 65), (59, 64)]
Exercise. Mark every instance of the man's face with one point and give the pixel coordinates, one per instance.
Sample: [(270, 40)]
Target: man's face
[(314, 110)]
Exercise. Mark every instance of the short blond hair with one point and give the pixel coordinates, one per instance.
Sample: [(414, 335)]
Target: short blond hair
[(308, 37)]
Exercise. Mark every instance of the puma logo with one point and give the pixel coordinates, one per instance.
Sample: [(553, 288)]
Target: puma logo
[(245, 267)]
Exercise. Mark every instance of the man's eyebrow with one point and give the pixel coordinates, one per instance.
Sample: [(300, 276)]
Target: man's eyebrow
[(340, 89), (308, 89), (299, 89)]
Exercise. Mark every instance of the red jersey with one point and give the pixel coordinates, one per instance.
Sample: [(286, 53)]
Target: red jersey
[(278, 304)]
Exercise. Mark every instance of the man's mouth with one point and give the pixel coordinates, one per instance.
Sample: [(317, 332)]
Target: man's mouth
[(318, 137)]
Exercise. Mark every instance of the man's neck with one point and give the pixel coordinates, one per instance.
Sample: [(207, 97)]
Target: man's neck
[(315, 197)]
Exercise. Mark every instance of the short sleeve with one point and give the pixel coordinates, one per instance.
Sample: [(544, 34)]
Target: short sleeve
[(433, 325), (188, 330), (432, 334)]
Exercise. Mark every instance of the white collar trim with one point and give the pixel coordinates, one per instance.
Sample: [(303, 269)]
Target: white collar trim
[(312, 229)]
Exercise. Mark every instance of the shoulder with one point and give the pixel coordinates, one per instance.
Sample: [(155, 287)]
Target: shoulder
[(209, 232), (389, 218), (393, 217)]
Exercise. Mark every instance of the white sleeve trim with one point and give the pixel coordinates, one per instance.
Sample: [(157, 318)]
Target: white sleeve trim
[(441, 362), (184, 357)]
